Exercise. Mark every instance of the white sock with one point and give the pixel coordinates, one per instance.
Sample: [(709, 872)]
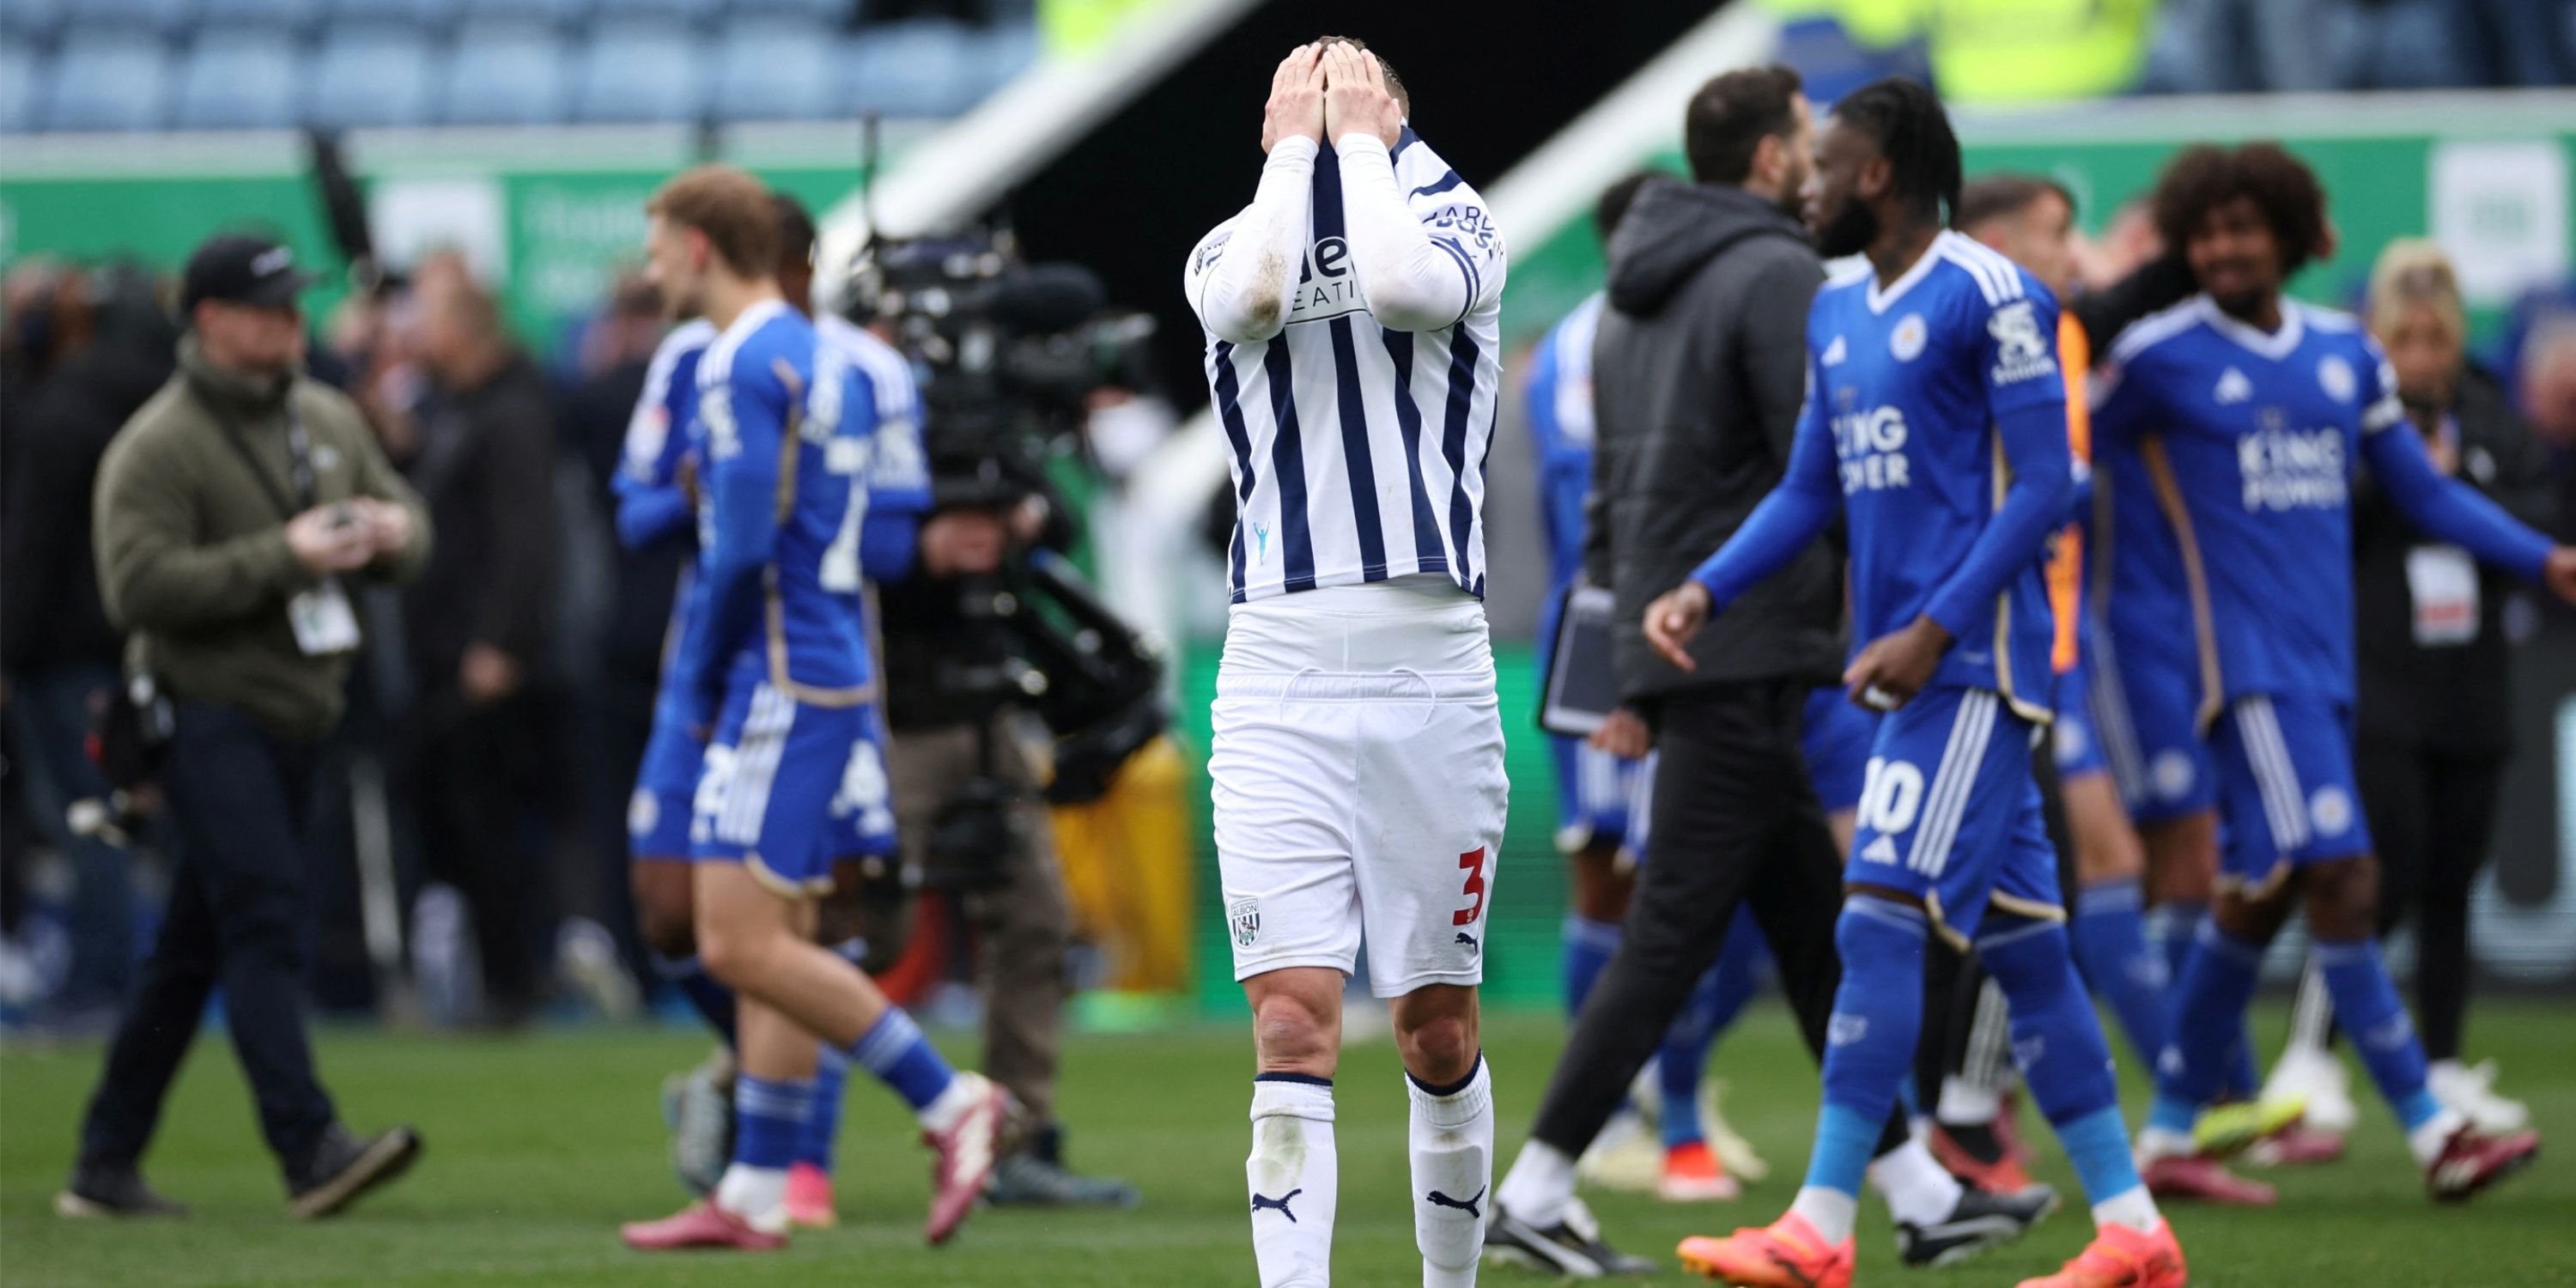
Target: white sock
[(756, 1194), (1917, 1188), (1539, 1185), (2131, 1207), (962, 1093), (1832, 1212), (1451, 1142), (2163, 1142), (2427, 1141), (1966, 1104), (1294, 1180)]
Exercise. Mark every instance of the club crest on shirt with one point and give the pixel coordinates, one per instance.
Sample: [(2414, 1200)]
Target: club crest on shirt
[(1906, 341), (2334, 375), (1243, 919)]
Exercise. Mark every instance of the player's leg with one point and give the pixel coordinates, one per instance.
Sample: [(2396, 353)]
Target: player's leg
[(1908, 819), (2058, 1043), (2110, 912), (1591, 812), (1428, 833), (1693, 1170), (760, 851), (1282, 784)]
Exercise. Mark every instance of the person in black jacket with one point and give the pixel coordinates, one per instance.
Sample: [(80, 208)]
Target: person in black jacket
[(1698, 371), (2435, 713), (56, 645), (478, 625)]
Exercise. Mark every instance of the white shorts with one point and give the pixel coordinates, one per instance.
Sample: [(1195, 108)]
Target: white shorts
[(1358, 781)]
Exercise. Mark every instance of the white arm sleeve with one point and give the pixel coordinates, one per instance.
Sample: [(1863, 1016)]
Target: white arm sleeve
[(1412, 282), (1241, 290)]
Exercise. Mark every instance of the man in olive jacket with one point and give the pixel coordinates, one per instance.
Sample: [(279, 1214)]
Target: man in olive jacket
[(234, 512)]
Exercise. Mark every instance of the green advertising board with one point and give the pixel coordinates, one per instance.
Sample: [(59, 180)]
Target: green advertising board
[(552, 233)]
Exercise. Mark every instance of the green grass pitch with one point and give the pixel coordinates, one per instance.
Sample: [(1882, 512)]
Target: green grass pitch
[(538, 1147)]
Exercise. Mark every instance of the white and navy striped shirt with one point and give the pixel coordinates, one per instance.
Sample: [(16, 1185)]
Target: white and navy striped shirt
[(1358, 450)]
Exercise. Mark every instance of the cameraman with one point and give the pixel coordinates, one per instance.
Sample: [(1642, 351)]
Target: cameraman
[(972, 822), (230, 510)]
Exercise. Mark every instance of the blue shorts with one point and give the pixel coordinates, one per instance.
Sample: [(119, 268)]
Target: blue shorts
[(2144, 715), (1952, 815), (657, 816), (786, 786), (1593, 789), (1836, 742), (2075, 737), (2286, 792)]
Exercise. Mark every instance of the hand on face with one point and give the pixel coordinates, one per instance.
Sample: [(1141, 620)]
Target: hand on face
[(1296, 106), (1356, 99)]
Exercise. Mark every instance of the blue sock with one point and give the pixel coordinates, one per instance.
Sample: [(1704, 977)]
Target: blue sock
[(2098, 1145), (894, 1050), (2366, 1002), (2110, 940), (709, 997), (767, 1117), (2171, 928), (1680, 1059), (823, 1118), (1588, 945), (1869, 1041), (2207, 1022), (1720, 996)]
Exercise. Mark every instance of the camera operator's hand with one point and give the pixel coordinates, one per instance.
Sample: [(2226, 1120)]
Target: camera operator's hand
[(330, 538), (959, 542)]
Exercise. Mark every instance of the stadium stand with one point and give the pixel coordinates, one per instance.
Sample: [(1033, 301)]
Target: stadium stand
[(373, 76), (640, 70), (504, 73), (268, 64), (777, 68), (104, 79), (237, 79)]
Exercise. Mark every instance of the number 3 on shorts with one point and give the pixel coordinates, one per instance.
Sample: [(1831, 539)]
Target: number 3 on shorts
[(1473, 864)]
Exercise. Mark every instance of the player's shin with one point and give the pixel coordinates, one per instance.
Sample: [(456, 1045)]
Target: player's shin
[(2057, 1042), (1450, 1139), (2206, 1023), (2111, 948), (1878, 1013), (1293, 1176), (2366, 1000), (772, 1098)]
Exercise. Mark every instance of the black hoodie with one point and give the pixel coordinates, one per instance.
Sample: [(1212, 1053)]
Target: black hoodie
[(1697, 374)]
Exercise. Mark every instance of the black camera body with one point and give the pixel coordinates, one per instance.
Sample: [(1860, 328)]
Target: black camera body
[(1008, 355)]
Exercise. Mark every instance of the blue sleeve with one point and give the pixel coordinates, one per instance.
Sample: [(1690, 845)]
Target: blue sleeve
[(2034, 505), (888, 542), (743, 442), (1564, 467), (650, 502), (1792, 516), (2449, 509)]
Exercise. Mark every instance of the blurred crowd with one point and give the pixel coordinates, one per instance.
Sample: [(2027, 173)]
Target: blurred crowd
[(2011, 50), (495, 720)]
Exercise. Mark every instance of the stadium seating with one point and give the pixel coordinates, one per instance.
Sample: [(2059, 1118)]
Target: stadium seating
[(373, 75), (131, 16), (640, 70), (287, 15), (916, 68), (107, 80), (504, 73), (234, 64), (777, 69), (17, 89), (235, 79)]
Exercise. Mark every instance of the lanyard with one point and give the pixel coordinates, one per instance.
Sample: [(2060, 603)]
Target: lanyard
[(299, 452)]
